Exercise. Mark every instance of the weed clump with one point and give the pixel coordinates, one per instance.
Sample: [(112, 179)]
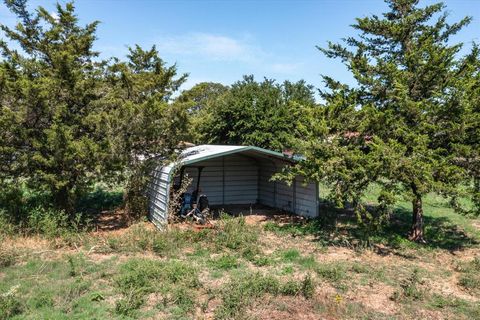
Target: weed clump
[(224, 262), (234, 233), (8, 257), (333, 272), (174, 280), (10, 305), (470, 278), (308, 287), (242, 290), (410, 288)]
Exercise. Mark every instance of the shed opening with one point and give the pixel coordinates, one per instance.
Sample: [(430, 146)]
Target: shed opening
[(232, 175)]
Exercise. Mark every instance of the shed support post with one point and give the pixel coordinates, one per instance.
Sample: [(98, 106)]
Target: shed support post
[(223, 180), (294, 195)]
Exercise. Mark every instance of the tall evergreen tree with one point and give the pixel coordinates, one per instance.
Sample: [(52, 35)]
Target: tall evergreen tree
[(468, 150), (143, 123), (69, 118), (48, 93), (401, 124)]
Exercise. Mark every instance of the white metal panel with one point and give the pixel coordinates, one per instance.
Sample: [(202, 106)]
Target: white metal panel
[(299, 198), (233, 175), (230, 179), (306, 198)]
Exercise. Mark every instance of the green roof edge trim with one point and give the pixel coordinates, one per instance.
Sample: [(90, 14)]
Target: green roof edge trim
[(246, 148)]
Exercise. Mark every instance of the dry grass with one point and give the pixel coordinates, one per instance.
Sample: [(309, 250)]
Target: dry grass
[(80, 278)]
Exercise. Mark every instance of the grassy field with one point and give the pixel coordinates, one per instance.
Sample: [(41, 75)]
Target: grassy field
[(245, 269)]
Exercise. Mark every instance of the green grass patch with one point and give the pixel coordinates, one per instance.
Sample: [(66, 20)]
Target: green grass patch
[(224, 262), (242, 290), (334, 272), (174, 280), (470, 275)]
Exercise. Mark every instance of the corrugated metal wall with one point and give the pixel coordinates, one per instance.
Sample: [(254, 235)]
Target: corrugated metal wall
[(298, 197), (226, 180), (236, 179), (158, 194)]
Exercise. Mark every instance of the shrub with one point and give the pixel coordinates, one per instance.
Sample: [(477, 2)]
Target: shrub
[(308, 287), (10, 305), (139, 277), (235, 234), (224, 262), (410, 288), (49, 222), (7, 228), (8, 257)]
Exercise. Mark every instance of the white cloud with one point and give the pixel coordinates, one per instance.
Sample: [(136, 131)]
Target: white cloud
[(226, 49), (211, 46)]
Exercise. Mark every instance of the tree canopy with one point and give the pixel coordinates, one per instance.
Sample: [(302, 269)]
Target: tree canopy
[(70, 118), (265, 114), (406, 122)]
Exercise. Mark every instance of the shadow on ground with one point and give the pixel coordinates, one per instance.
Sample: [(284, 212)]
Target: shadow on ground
[(102, 208), (339, 227)]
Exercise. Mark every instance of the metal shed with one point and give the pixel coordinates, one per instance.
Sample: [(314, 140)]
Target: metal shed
[(234, 175)]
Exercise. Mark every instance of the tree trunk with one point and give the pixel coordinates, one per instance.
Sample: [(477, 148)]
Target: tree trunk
[(63, 200), (416, 232)]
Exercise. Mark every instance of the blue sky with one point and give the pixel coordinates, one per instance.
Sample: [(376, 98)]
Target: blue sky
[(222, 40)]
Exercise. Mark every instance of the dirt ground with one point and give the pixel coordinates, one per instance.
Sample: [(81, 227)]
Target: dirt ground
[(369, 281)]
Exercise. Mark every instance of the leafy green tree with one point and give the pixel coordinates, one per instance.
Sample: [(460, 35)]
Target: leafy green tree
[(468, 150), (70, 119), (143, 125), (199, 101), (264, 114), (201, 95), (401, 126), (49, 89)]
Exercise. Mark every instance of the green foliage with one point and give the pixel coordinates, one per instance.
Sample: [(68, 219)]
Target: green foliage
[(410, 288), (308, 287), (242, 290), (263, 114), (145, 125), (138, 277), (235, 234), (333, 272), (8, 257), (129, 304), (406, 124), (10, 305), (70, 119), (290, 255), (456, 305), (50, 92), (224, 262)]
